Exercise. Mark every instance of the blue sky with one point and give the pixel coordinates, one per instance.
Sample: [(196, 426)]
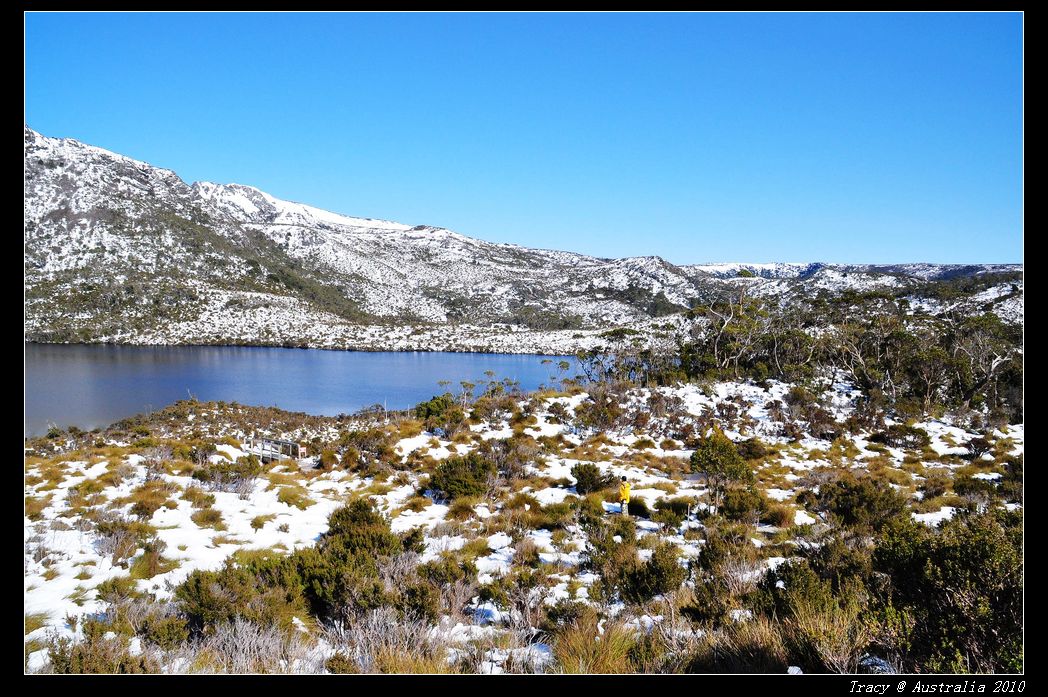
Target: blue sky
[(697, 137)]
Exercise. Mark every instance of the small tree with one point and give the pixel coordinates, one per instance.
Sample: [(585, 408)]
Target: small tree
[(589, 478), (719, 460)]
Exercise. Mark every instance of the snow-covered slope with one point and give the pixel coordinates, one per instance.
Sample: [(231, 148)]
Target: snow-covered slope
[(118, 250)]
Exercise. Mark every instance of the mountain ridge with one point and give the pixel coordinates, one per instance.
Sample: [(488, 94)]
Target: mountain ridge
[(118, 250)]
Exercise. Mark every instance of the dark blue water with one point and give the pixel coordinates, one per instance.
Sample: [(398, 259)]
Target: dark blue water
[(93, 386)]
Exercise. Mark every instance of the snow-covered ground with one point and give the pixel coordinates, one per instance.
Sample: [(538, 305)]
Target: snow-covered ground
[(64, 562)]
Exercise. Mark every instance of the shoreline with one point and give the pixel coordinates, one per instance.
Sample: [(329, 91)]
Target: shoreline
[(291, 346)]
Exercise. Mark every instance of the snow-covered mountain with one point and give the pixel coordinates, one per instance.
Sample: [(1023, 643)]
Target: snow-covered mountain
[(119, 250)]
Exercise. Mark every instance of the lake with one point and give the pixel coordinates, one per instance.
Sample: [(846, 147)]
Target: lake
[(91, 386)]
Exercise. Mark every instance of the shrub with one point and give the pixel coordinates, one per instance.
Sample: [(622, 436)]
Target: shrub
[(902, 436), (441, 413), (462, 508), (526, 553), (149, 497), (961, 587), (467, 475), (638, 508), (266, 590), (752, 448), (36, 505), (152, 563), (778, 514), (97, 654), (447, 571), (564, 613), (553, 516), (743, 505), (420, 600), (328, 459), (975, 487), (117, 588), (121, 538), (166, 632), (644, 443), (935, 484), (660, 574), (856, 501), (830, 632), (369, 449), (978, 446), (589, 478), (601, 411), (672, 511), (229, 476)]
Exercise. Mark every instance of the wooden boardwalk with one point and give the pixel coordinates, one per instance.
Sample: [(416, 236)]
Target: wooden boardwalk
[(270, 449)]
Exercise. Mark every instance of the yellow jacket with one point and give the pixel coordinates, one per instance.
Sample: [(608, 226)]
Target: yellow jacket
[(624, 492)]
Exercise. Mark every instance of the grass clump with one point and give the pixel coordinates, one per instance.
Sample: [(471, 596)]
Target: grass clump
[(297, 497), (582, 648), (259, 521), (208, 518)]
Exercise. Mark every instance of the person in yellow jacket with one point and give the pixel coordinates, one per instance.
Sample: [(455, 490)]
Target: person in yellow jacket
[(624, 496)]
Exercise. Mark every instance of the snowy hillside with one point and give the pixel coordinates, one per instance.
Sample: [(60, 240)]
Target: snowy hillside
[(119, 250)]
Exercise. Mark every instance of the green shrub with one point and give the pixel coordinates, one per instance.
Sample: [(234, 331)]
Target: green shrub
[(526, 553), (600, 411), (121, 538), (442, 413), (152, 563), (752, 448), (166, 632), (463, 508), (902, 436), (147, 498), (564, 613), (554, 516), (589, 478), (856, 501), (295, 496), (966, 485), (960, 588), (259, 521), (467, 475), (117, 588), (420, 600), (638, 508), (447, 571), (660, 574), (754, 646), (743, 505), (264, 589)]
